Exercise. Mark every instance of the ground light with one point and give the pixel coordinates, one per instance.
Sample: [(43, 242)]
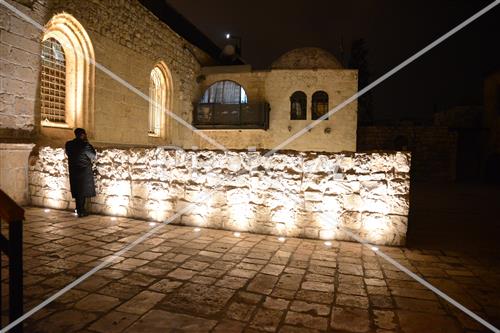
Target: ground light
[(237, 234), (328, 243), (113, 218), (374, 248), (152, 224), (281, 239), (46, 210), (197, 229)]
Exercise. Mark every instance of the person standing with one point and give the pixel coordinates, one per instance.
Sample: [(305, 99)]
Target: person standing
[(81, 179)]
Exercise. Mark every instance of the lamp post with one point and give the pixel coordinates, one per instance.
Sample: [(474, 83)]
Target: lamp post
[(238, 42)]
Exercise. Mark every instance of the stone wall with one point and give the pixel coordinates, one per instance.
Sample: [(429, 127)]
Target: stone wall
[(433, 148), (19, 70), (289, 194), (14, 170), (127, 39)]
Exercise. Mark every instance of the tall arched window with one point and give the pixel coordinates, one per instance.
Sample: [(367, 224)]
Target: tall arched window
[(67, 74), (53, 82), (298, 106), (160, 93), (319, 104), (157, 102)]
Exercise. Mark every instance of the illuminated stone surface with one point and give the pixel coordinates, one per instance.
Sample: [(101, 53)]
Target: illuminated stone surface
[(292, 194), (120, 299)]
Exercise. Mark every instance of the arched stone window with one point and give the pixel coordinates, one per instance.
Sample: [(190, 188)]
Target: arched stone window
[(319, 105), (160, 93), (225, 92), (67, 74), (298, 106), (225, 105)]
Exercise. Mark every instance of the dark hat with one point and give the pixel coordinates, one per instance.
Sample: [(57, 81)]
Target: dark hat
[(79, 131)]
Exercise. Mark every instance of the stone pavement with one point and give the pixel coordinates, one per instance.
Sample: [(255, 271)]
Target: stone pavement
[(180, 280)]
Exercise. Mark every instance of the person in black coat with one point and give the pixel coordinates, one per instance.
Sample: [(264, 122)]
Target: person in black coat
[(81, 179)]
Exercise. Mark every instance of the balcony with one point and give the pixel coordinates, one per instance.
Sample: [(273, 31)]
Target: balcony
[(231, 116)]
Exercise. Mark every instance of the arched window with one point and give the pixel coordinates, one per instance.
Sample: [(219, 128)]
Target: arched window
[(67, 74), (225, 105), (319, 104), (298, 106), (160, 93), (157, 102), (53, 82), (225, 92)]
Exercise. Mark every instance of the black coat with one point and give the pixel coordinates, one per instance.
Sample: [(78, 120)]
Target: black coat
[(80, 156)]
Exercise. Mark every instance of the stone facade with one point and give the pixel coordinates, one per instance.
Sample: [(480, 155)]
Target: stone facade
[(125, 39), (124, 28), (289, 194), (433, 148), (338, 133)]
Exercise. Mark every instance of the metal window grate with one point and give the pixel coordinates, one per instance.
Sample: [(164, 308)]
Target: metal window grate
[(53, 82)]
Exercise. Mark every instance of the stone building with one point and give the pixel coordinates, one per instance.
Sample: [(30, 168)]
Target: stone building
[(97, 63), (142, 81)]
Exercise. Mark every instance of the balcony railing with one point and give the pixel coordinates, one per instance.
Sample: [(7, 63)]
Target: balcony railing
[(231, 116)]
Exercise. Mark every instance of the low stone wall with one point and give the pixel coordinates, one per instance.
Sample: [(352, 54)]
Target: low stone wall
[(289, 194)]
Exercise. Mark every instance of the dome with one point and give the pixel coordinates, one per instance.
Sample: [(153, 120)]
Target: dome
[(307, 58)]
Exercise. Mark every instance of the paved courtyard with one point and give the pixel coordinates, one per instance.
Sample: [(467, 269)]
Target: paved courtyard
[(180, 280)]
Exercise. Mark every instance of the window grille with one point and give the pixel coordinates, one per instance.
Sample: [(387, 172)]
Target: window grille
[(53, 82), (157, 102), (319, 104), (298, 106)]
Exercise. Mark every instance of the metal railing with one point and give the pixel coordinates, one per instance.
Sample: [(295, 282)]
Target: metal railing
[(231, 116), (11, 213)]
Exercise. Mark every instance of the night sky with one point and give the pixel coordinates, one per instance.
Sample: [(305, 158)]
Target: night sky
[(449, 75)]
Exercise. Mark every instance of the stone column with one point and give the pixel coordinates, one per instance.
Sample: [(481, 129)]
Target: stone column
[(14, 170)]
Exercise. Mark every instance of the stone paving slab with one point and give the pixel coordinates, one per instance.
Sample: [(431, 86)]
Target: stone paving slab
[(180, 280)]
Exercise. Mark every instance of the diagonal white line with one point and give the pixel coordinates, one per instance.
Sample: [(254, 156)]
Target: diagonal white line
[(286, 142), (118, 79), (81, 279), (422, 281), (388, 74)]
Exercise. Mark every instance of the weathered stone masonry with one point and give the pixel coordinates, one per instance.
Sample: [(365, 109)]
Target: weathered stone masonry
[(289, 194)]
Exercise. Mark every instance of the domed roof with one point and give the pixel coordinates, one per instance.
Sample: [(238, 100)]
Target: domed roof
[(307, 58)]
